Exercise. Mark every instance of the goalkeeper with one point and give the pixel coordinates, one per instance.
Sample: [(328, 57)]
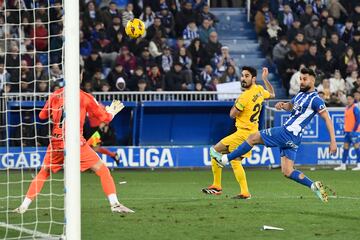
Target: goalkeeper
[(54, 158)]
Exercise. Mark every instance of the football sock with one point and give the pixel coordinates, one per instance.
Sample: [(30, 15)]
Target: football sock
[(357, 150), (37, 184), (113, 199), (106, 151), (216, 173), (345, 155), (241, 150), (299, 177), (106, 179), (240, 176)]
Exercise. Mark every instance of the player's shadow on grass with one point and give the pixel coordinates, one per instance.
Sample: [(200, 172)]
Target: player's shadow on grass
[(331, 215)]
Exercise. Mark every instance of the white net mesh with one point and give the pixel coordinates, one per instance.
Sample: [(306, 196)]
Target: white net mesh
[(31, 66)]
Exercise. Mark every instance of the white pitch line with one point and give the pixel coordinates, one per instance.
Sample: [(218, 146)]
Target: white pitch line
[(29, 231)]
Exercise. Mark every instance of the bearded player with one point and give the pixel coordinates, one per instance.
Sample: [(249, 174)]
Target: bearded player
[(245, 111), (54, 158), (303, 107)]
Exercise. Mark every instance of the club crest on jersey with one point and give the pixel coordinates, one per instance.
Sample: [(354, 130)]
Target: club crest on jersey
[(297, 107)]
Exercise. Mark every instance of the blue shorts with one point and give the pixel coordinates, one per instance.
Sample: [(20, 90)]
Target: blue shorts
[(282, 138), (352, 137)]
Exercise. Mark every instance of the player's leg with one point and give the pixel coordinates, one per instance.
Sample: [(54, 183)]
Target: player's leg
[(246, 146), (240, 176), (106, 151), (53, 161), (287, 168), (357, 150), (89, 159), (215, 188), (346, 147)]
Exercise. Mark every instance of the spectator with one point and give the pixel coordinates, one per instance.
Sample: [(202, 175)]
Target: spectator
[(348, 62), (280, 50), (175, 79), (293, 31), (40, 34), (212, 86), (206, 14), (287, 68), (85, 46), (262, 18), (184, 58), (87, 87), (337, 46), (4, 78), (40, 72), (329, 27), (299, 45), (92, 63), (223, 61), (206, 75), (273, 31), (307, 16), (213, 47), (56, 76), (145, 60), (204, 31), (325, 87), (98, 80), (318, 6), (127, 60), (167, 21), (298, 7), (350, 81), (156, 79), (198, 55), (323, 17), (110, 13), (328, 63), (335, 9), (294, 85), (128, 14), (337, 82), (313, 31), (355, 43), (155, 28), (190, 32), (116, 44), (322, 46), (121, 84), (142, 86), (167, 60), (156, 46), (116, 72), (355, 15), (347, 32), (147, 16), (311, 55), (91, 15), (230, 75), (286, 17), (356, 85), (114, 28), (138, 76), (184, 17), (42, 86)]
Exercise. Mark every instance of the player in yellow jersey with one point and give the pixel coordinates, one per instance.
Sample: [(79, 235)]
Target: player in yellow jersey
[(246, 112)]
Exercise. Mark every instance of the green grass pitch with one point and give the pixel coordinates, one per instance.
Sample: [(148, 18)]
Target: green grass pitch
[(169, 205)]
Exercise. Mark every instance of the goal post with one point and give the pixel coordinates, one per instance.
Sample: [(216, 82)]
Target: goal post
[(72, 122)]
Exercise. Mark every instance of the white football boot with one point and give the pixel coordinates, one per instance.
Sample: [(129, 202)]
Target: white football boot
[(119, 208), (342, 167)]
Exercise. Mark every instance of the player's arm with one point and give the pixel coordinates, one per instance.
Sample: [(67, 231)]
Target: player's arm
[(287, 106), (44, 113), (103, 115), (239, 105), (268, 85), (324, 114), (357, 118)]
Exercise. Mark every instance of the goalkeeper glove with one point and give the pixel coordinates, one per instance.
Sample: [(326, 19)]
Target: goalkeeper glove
[(115, 107)]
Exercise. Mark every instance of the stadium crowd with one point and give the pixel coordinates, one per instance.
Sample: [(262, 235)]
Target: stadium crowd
[(180, 51), (320, 34)]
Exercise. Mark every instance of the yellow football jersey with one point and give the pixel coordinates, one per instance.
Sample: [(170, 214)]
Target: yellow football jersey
[(249, 104)]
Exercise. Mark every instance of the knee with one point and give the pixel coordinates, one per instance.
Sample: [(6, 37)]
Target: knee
[(252, 139), (287, 171)]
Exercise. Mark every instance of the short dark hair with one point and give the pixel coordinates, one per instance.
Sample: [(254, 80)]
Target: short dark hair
[(251, 70), (308, 71), (349, 95)]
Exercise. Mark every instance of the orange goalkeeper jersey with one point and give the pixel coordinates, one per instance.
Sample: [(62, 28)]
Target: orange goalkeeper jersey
[(54, 108)]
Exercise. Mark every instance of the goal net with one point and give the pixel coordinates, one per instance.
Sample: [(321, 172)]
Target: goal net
[(31, 67)]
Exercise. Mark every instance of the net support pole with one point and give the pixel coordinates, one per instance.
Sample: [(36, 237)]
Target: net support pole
[(72, 121)]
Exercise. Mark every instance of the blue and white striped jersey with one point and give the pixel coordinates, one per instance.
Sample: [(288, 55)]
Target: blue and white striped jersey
[(305, 106)]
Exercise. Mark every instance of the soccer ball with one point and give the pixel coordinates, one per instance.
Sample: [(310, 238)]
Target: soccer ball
[(135, 28)]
